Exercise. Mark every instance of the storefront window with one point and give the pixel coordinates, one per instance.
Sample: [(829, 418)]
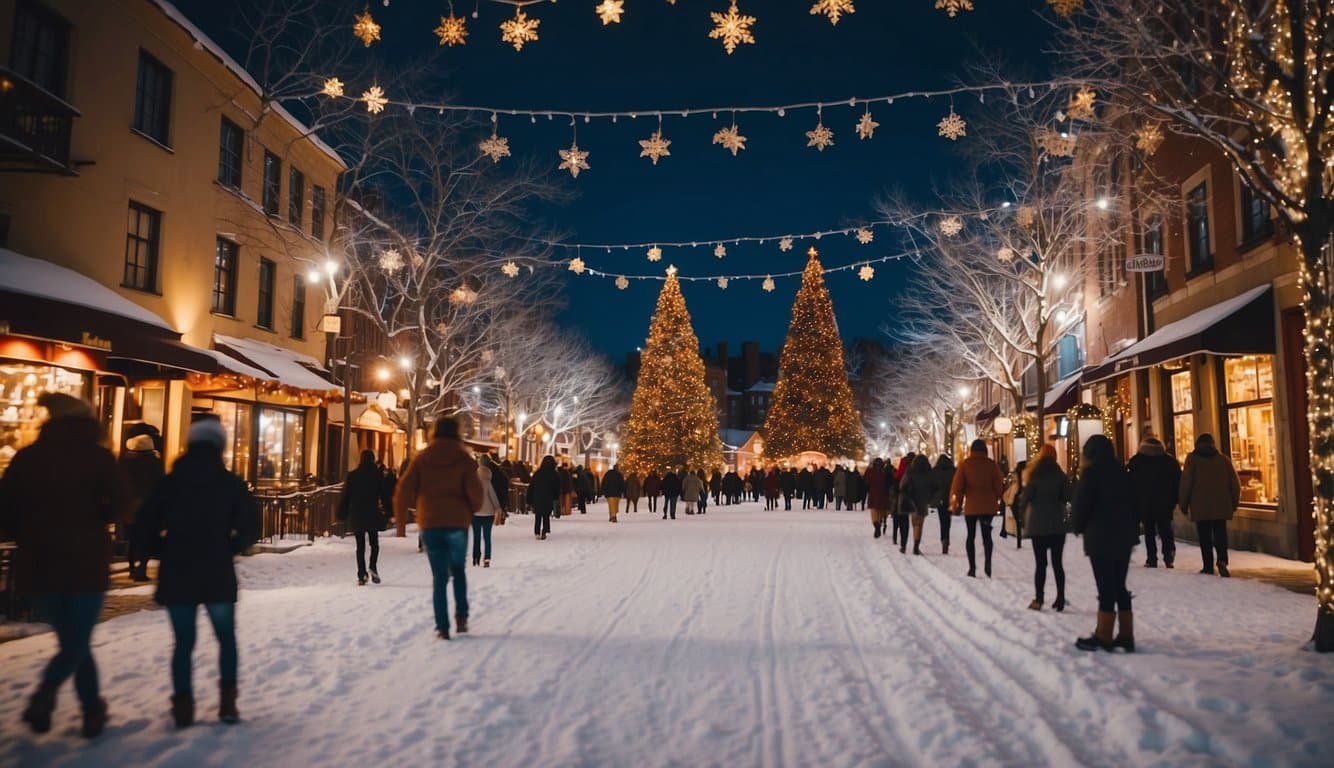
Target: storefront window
[(20, 386), (1183, 413), (1250, 421), (235, 418), (281, 445)]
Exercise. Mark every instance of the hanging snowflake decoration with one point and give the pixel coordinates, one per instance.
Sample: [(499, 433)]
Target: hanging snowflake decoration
[(732, 28), (391, 260), (1081, 104), (866, 273), (1148, 137), (452, 30), (720, 250), (510, 269), (333, 87), (768, 285), (785, 244), (865, 236), (610, 11), (866, 126), (722, 283), (375, 99), (1056, 143), (951, 226), (577, 265), (730, 138), (573, 160), (1064, 8), (655, 147), (519, 30), (495, 147), (834, 9), (952, 126), (952, 7), (654, 253), (1026, 216), (820, 137), (1005, 253), (366, 30), (622, 282)]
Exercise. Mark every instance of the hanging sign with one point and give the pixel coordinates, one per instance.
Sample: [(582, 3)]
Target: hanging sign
[(1146, 262)]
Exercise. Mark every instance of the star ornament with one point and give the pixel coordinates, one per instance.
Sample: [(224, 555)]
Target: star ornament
[(866, 273), (510, 269), (573, 160), (333, 87), (866, 126), (495, 147), (951, 226), (865, 236), (655, 147), (732, 28), (722, 283), (452, 30), (366, 30), (834, 9), (519, 30), (720, 250), (577, 265), (820, 137), (1081, 104), (768, 284), (952, 126), (655, 253), (375, 99), (730, 138), (610, 11), (622, 282), (1148, 137), (785, 244)]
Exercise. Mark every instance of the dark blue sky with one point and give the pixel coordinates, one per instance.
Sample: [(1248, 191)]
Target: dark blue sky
[(660, 56)]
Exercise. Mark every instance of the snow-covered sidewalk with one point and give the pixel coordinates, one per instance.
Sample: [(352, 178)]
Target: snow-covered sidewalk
[(741, 638)]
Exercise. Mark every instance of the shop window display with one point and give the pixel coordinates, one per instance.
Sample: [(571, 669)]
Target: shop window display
[(236, 422), (1183, 413), (20, 417), (281, 446), (1249, 387)]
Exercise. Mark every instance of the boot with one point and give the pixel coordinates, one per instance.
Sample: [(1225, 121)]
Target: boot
[(183, 709), (1223, 571), (476, 560), (1036, 605), (1125, 635), (227, 704), (877, 530), (40, 706), (1058, 604), (375, 577), (1102, 635), (461, 624), (944, 546), (94, 719), (903, 544), (972, 566), (486, 563), (917, 547)]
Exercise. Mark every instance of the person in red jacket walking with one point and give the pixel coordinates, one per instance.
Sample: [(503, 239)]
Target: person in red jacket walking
[(976, 491), (877, 494)]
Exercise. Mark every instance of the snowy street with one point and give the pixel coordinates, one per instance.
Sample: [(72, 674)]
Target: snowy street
[(741, 638)]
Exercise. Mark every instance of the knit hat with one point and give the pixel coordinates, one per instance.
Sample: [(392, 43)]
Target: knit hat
[(140, 444), (208, 432), (62, 406)]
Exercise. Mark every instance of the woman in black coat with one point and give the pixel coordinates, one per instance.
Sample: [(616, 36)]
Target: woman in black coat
[(1105, 516), (543, 493), (201, 517), (671, 491), (359, 509)]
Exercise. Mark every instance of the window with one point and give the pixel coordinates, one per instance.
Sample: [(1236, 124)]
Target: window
[(236, 421), (1197, 230), (298, 307), (152, 99), (1255, 222), (317, 211), (1068, 357), (273, 179), (281, 446), (1155, 283), (230, 141), (264, 314), (224, 277), (1249, 386), (1182, 439), (141, 248), (41, 46), (296, 196)]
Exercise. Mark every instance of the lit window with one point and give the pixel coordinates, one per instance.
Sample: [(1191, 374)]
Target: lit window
[(1250, 422)]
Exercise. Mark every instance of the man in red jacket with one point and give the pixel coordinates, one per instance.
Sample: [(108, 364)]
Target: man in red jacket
[(977, 489)]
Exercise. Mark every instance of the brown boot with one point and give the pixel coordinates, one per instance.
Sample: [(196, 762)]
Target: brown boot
[(1101, 637), (1125, 636)]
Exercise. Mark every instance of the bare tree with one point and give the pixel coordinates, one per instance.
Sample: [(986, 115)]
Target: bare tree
[(1251, 78)]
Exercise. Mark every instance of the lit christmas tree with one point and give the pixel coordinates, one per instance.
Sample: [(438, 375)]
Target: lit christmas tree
[(812, 408), (673, 421)]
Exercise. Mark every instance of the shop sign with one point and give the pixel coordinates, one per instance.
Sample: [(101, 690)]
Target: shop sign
[(96, 342), (1146, 262)]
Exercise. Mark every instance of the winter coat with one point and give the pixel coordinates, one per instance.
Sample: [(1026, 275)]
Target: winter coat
[(671, 485), (1104, 511), (916, 492), (583, 483), (877, 488), (543, 488), (840, 483), (772, 486), (198, 520), (652, 485), (1210, 489), (359, 503), (942, 475), (732, 484), (1155, 477), (142, 471), (977, 486), (56, 500), (716, 483), (1042, 502), (500, 483), (565, 480), (490, 501), (787, 481), (633, 488), (442, 484), (856, 489), (805, 482), (821, 480), (691, 487), (613, 484)]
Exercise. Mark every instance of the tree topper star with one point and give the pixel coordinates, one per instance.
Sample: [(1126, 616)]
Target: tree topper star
[(655, 147), (732, 28), (573, 160), (730, 138), (866, 126)]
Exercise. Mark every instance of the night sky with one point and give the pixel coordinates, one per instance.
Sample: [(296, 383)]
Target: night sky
[(660, 56)]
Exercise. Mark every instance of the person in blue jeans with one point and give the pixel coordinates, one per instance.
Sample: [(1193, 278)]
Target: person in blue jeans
[(197, 521), (485, 517), (443, 486)]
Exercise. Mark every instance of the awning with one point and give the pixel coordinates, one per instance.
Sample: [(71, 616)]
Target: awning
[(1060, 397), (985, 417), (286, 366), (1242, 325), (226, 362)]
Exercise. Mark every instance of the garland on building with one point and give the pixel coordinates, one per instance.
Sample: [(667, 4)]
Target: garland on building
[(812, 407), (673, 421)]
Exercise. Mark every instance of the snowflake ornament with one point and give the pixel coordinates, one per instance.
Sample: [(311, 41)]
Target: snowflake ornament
[(610, 11), (510, 270), (1081, 104), (333, 87), (1064, 8), (366, 30), (720, 250), (577, 265), (519, 30), (785, 244), (495, 147), (1148, 137), (1056, 144), (866, 273), (730, 138), (1026, 216), (655, 147), (866, 126), (654, 253), (375, 99), (865, 236), (834, 9), (452, 30), (768, 285), (573, 160), (722, 283), (732, 28), (622, 282), (391, 260), (1005, 253), (820, 137), (952, 7), (951, 226), (952, 126)]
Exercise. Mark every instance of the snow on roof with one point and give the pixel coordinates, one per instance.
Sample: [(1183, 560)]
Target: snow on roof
[(205, 42), (762, 386), (735, 438), (35, 277), (286, 365)]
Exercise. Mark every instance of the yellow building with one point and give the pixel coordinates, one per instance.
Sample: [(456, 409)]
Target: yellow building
[(157, 225)]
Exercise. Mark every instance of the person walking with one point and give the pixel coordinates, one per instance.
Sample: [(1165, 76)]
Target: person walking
[(1155, 477), (140, 465), (691, 489), (199, 519), (63, 556), (877, 494), (359, 511), (543, 495), (1041, 504), (1014, 487), (633, 488), (840, 487), (613, 487), (1105, 517), (942, 476), (772, 487), (486, 516), (671, 491), (1210, 493), (821, 480), (716, 486), (805, 484), (787, 482), (733, 487), (915, 493), (652, 488), (977, 489), (566, 477), (703, 493), (898, 512), (583, 488), (442, 484)]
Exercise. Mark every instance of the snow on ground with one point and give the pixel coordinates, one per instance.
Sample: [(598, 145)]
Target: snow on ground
[(742, 638)]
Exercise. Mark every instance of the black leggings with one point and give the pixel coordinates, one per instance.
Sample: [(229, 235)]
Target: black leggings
[(973, 521), (1053, 545), (944, 514), (901, 523), (1110, 575), (361, 537), (541, 521)]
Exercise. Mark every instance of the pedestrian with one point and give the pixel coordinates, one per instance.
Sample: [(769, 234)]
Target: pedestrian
[(652, 489), (141, 467), (787, 482), (359, 510), (583, 488), (733, 487), (442, 483), (1155, 477), (704, 492), (840, 487), (633, 488), (898, 511), (613, 487), (500, 483), (671, 491), (1042, 503), (755, 481), (942, 476), (821, 479), (1210, 493), (877, 494), (1105, 517), (490, 513), (1014, 486), (691, 490), (976, 490), (566, 477), (543, 495), (716, 485), (805, 482), (199, 519), (772, 487), (63, 557), (915, 492)]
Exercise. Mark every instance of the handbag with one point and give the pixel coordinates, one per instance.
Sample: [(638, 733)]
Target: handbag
[(500, 517)]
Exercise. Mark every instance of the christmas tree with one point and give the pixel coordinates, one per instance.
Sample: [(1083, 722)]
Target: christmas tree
[(673, 421), (812, 407)]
